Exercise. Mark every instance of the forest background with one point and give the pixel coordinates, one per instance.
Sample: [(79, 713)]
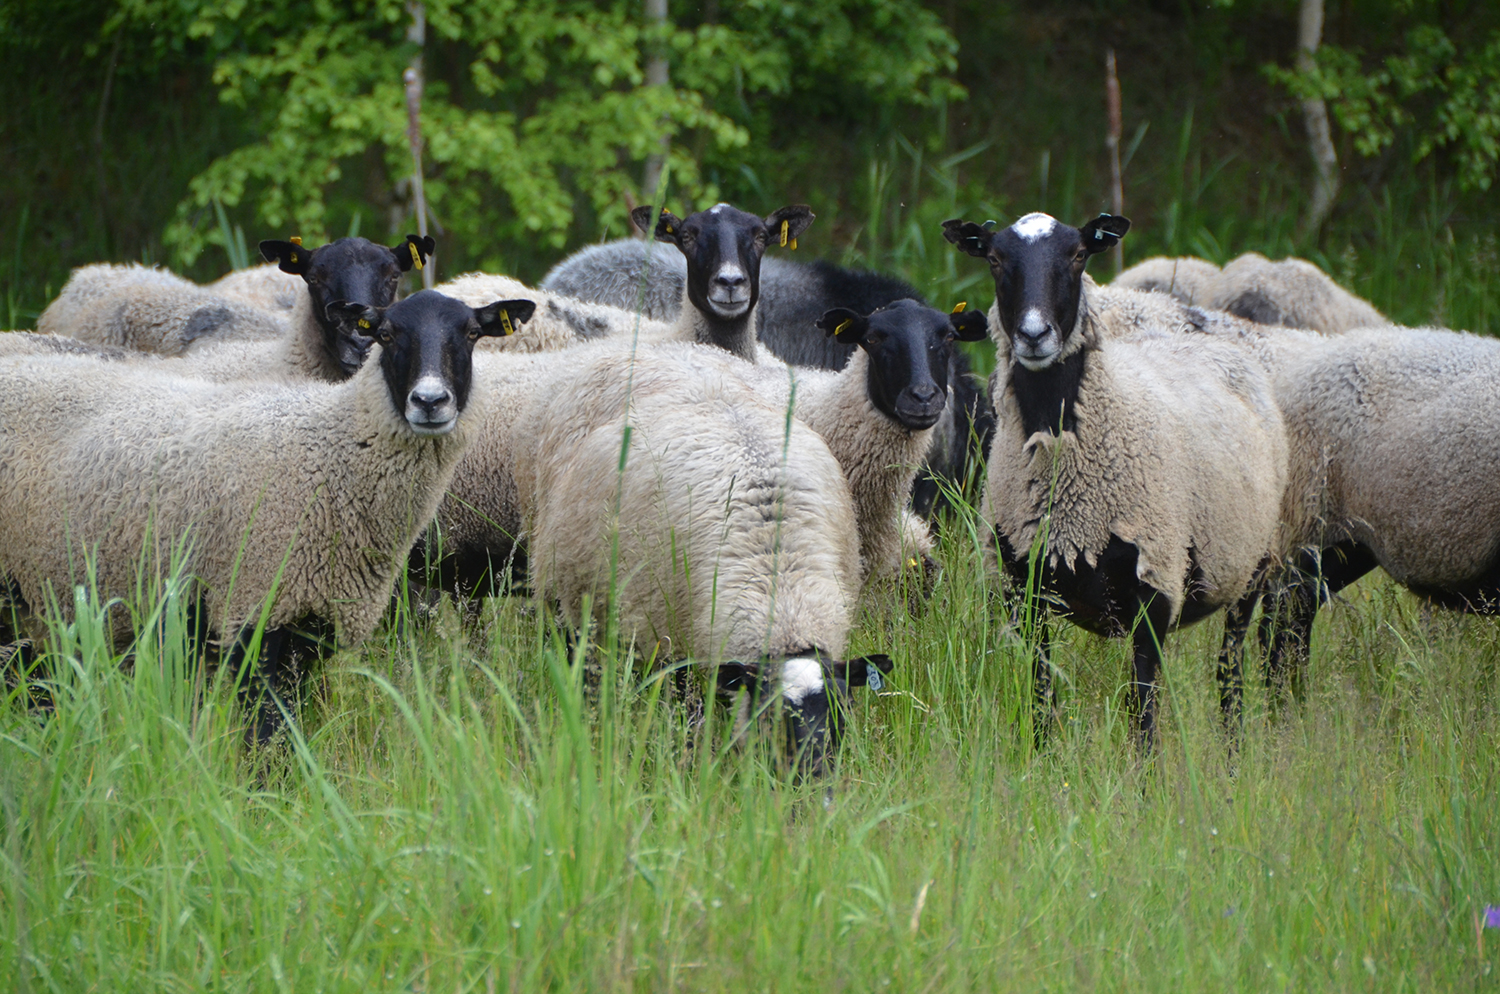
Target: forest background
[(180, 131)]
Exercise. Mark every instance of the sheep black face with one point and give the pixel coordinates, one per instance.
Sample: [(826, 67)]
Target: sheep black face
[(427, 349), (1038, 266), (910, 346), (723, 247), (814, 695), (350, 269)]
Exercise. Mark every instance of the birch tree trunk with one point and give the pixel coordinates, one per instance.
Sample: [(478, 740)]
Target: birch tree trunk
[(1315, 114), (656, 75)]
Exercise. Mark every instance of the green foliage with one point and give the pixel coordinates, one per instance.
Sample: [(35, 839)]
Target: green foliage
[(531, 111), (1447, 98)]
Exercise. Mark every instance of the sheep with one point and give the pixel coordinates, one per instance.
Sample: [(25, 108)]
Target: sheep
[(1189, 279), (877, 415), (266, 287), (1293, 293), (150, 310), (722, 248), (667, 493), (792, 297), (1136, 479), (559, 323), (1395, 440), (293, 505)]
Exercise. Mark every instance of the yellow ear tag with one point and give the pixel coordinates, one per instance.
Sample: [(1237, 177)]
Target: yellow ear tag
[(912, 564), (294, 256), (295, 239), (505, 323), (958, 308), (844, 324), (784, 226), (416, 257), (363, 323), (669, 229)]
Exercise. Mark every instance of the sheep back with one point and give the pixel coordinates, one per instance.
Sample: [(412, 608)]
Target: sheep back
[(1293, 293)]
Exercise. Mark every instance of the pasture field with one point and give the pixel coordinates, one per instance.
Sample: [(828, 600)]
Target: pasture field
[(465, 815)]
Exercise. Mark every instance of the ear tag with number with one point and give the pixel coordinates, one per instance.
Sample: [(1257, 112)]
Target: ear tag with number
[(873, 679), (363, 323), (294, 256), (784, 226), (416, 257), (505, 323), (295, 239), (842, 325), (958, 308)]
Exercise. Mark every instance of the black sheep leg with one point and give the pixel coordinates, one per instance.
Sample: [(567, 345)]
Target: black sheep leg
[(1231, 664), (1150, 630), (272, 686), (1288, 620)]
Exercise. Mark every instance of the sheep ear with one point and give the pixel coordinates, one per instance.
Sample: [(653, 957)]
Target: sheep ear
[(970, 326), (789, 222), (414, 252), (865, 671), (641, 218), (847, 327), (1104, 232), (732, 676), (968, 236), (358, 320), (291, 255), (500, 318), (668, 227)]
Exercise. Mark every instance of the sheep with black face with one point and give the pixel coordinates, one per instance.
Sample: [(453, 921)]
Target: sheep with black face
[(1139, 476), (303, 497)]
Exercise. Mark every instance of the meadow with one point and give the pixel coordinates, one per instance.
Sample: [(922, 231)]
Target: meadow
[(463, 811)]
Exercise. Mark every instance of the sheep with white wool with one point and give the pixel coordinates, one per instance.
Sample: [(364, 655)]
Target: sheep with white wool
[(150, 310), (1188, 278), (1140, 476), (302, 500), (1293, 293), (675, 497), (268, 287), (560, 322)]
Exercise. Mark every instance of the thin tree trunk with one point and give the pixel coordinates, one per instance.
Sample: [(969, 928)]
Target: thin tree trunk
[(656, 75), (416, 33), (1112, 142), (1315, 113), (101, 185)]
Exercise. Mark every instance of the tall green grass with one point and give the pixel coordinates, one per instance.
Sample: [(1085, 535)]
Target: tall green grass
[(460, 812)]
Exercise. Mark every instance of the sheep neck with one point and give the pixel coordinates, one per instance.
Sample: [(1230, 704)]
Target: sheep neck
[(734, 335), (1047, 398)]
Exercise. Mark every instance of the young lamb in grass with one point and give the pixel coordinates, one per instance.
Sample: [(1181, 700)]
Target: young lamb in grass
[(297, 501), (672, 495), (1135, 479)]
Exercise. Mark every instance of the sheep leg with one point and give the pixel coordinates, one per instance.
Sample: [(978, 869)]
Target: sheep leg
[(1043, 687), (1231, 665), (1150, 629), (273, 684), (1314, 579)]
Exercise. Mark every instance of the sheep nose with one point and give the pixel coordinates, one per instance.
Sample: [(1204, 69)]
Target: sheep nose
[(1033, 334), (730, 281), (430, 396), (924, 394)]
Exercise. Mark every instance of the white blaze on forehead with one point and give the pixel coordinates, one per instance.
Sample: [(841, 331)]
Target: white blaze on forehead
[(717, 207), (1033, 226), (1032, 322), (801, 677)]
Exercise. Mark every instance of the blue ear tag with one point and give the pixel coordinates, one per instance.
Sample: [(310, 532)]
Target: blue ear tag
[(873, 679), (1098, 234)]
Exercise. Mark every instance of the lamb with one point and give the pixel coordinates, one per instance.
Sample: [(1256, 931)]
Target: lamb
[(1293, 293), (1136, 479), (725, 528), (295, 504), (1395, 441), (1189, 279), (266, 287), (150, 310)]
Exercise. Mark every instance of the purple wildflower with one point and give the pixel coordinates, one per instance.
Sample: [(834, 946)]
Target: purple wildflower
[(1492, 916)]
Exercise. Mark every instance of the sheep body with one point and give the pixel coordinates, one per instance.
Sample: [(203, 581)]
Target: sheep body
[(316, 491), (559, 322), (265, 286), (1293, 293), (150, 310), (1189, 279)]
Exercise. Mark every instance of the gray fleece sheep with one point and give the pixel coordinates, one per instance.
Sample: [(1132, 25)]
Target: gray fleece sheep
[(1189, 279), (560, 322), (1142, 474), (1293, 293), (150, 310), (724, 527), (267, 287), (1395, 455), (298, 500)]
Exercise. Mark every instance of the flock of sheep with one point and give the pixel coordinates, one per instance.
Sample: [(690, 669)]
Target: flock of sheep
[(724, 452)]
